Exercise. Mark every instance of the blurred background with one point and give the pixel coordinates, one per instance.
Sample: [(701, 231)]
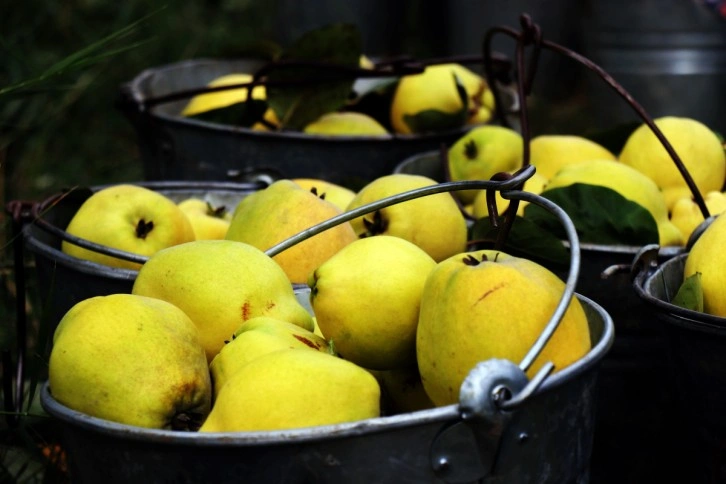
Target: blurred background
[(67, 131), (62, 63)]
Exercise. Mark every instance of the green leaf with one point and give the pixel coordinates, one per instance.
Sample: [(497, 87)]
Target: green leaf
[(690, 294), (91, 54), (244, 113), (525, 239), (431, 120), (297, 105), (600, 215)]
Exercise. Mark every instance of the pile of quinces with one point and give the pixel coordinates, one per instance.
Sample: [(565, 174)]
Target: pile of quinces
[(383, 314), (634, 197), (614, 197), (433, 98)]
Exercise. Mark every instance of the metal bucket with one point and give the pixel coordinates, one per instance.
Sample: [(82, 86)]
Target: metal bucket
[(657, 50), (173, 147), (696, 344), (547, 439), (635, 432), (64, 280)]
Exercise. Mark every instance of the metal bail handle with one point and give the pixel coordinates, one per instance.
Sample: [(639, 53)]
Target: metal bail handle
[(466, 450), (461, 454)]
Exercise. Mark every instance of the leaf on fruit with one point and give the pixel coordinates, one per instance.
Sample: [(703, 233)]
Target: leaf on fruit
[(690, 294), (525, 239), (243, 114), (432, 120), (299, 104), (600, 215)]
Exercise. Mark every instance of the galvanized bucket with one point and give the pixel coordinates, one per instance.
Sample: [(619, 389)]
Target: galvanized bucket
[(657, 50), (505, 428), (64, 280), (547, 439), (174, 147), (636, 432), (698, 374)]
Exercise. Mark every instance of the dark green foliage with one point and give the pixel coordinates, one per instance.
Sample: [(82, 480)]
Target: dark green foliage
[(525, 239), (690, 294), (298, 105), (600, 215), (68, 131)]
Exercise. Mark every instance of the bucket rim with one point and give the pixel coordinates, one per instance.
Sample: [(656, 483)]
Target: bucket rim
[(118, 273), (670, 313), (398, 138), (135, 94), (587, 363), (60, 258)]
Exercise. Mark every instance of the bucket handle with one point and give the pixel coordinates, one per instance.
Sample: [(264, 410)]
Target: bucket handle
[(508, 193), (84, 243), (645, 266), (13, 373), (531, 35), (496, 387)]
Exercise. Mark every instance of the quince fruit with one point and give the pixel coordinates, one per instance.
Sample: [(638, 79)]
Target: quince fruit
[(699, 148), (450, 94), (686, 215), (345, 123), (366, 299), (549, 153), (487, 304), (281, 210), (434, 222), (338, 195), (289, 389), (259, 336), (220, 284), (707, 258), (127, 217), (220, 99), (481, 153), (208, 222), (628, 182), (133, 360)]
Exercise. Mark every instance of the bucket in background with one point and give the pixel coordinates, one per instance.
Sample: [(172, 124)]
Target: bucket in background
[(173, 147), (697, 342), (547, 440), (633, 435), (64, 280), (670, 55)]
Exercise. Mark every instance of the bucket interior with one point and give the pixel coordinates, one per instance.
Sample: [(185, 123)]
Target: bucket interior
[(184, 76), (697, 342)]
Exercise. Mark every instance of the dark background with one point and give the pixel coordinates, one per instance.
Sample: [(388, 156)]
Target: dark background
[(67, 131), (670, 52)]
